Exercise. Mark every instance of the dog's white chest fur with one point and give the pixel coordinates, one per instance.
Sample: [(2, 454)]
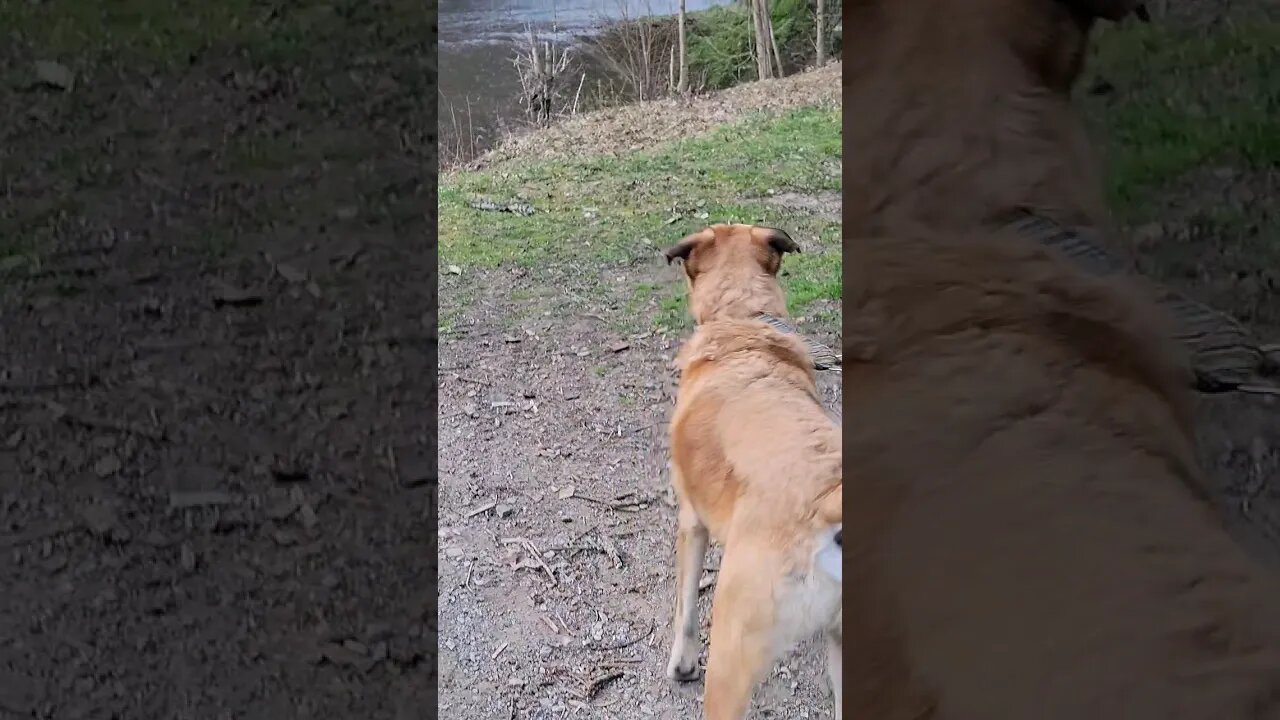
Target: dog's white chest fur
[(830, 557)]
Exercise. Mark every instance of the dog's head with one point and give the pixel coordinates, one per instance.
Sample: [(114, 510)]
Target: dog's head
[(732, 270), (1049, 37)]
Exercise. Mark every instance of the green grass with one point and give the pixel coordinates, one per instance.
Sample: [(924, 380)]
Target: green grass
[(614, 212), (1185, 99)]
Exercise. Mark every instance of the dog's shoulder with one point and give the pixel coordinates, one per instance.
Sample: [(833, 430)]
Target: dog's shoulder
[(907, 292), (721, 339)]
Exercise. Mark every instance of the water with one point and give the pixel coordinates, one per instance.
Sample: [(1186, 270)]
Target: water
[(479, 88)]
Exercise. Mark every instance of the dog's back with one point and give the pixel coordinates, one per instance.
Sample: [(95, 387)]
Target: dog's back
[(1027, 485), (749, 419)]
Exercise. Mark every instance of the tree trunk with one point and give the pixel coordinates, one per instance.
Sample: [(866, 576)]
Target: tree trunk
[(682, 85), (773, 41), (820, 21), (763, 30)]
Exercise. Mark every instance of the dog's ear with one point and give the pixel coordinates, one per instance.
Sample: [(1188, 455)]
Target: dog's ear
[(682, 249), (777, 239), (1113, 10)]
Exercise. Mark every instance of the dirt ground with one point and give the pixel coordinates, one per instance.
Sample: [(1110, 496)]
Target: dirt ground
[(217, 380)]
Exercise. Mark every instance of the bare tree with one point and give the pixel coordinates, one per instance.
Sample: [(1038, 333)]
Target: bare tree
[(767, 56), (539, 69), (820, 25), (682, 85), (640, 53)]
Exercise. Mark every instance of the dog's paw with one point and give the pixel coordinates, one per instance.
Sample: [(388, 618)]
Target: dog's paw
[(684, 673)]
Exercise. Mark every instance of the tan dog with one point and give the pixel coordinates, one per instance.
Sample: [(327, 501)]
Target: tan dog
[(1029, 540), (756, 464), (961, 120)]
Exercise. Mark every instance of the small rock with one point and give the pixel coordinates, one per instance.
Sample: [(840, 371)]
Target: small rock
[(619, 347), (55, 75), (341, 656), (290, 273), (107, 466), (282, 508), (307, 516), (187, 558), (283, 472), (230, 295), (503, 510), (99, 517), (415, 467)]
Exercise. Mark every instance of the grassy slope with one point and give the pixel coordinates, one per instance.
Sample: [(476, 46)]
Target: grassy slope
[(619, 211), (1186, 98), (1191, 136)]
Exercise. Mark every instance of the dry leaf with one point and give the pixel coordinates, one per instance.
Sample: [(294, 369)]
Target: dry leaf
[(291, 273)]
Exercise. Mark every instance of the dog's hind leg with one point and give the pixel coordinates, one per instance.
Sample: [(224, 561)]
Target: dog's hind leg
[(835, 670), (691, 550), (745, 640)]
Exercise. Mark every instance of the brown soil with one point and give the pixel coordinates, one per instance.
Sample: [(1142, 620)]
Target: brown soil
[(216, 387)]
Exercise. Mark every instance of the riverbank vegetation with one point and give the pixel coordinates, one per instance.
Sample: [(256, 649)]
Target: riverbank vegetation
[(638, 59)]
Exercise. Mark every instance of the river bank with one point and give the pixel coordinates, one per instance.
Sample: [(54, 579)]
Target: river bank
[(481, 96)]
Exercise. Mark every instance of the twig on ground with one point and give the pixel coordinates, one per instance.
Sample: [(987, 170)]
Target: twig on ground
[(535, 555), (1258, 389), (625, 643), (592, 687), (96, 423), (474, 381)]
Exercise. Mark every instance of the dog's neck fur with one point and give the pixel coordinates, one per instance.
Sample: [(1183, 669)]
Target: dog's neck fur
[(718, 339), (735, 296), (964, 115)]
